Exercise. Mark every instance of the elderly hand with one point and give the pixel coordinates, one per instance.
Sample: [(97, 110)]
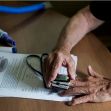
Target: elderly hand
[(54, 62), (95, 88)]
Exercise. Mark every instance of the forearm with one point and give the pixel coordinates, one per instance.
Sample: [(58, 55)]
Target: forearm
[(76, 28)]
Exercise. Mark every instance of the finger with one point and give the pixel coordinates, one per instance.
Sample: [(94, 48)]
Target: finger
[(75, 83), (45, 70), (83, 99), (47, 67), (93, 73), (75, 91), (55, 68), (71, 70)]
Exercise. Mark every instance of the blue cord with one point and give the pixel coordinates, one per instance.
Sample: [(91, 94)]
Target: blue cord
[(23, 9)]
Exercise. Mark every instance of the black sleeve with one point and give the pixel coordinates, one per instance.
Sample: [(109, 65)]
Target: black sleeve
[(101, 10)]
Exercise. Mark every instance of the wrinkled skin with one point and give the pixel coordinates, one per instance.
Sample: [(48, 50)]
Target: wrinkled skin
[(95, 88), (53, 63)]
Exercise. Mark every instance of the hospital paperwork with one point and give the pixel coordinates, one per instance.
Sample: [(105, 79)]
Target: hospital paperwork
[(18, 80)]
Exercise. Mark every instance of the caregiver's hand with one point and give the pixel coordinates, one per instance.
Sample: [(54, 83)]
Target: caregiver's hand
[(70, 35), (95, 88), (54, 62)]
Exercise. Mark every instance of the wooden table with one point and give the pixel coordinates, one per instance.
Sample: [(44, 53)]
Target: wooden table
[(38, 33)]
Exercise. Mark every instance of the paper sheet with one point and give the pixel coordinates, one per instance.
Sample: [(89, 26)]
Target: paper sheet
[(18, 80)]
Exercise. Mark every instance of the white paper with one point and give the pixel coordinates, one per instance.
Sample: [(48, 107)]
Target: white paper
[(18, 80), (6, 49)]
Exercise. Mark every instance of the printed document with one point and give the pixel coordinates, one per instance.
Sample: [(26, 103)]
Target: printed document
[(18, 80)]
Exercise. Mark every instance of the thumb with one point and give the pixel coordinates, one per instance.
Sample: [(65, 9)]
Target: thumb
[(93, 73), (71, 70)]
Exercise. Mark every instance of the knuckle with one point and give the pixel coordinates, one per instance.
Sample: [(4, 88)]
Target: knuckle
[(58, 57), (89, 90)]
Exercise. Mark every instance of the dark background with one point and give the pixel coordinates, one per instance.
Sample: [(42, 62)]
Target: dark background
[(69, 8)]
